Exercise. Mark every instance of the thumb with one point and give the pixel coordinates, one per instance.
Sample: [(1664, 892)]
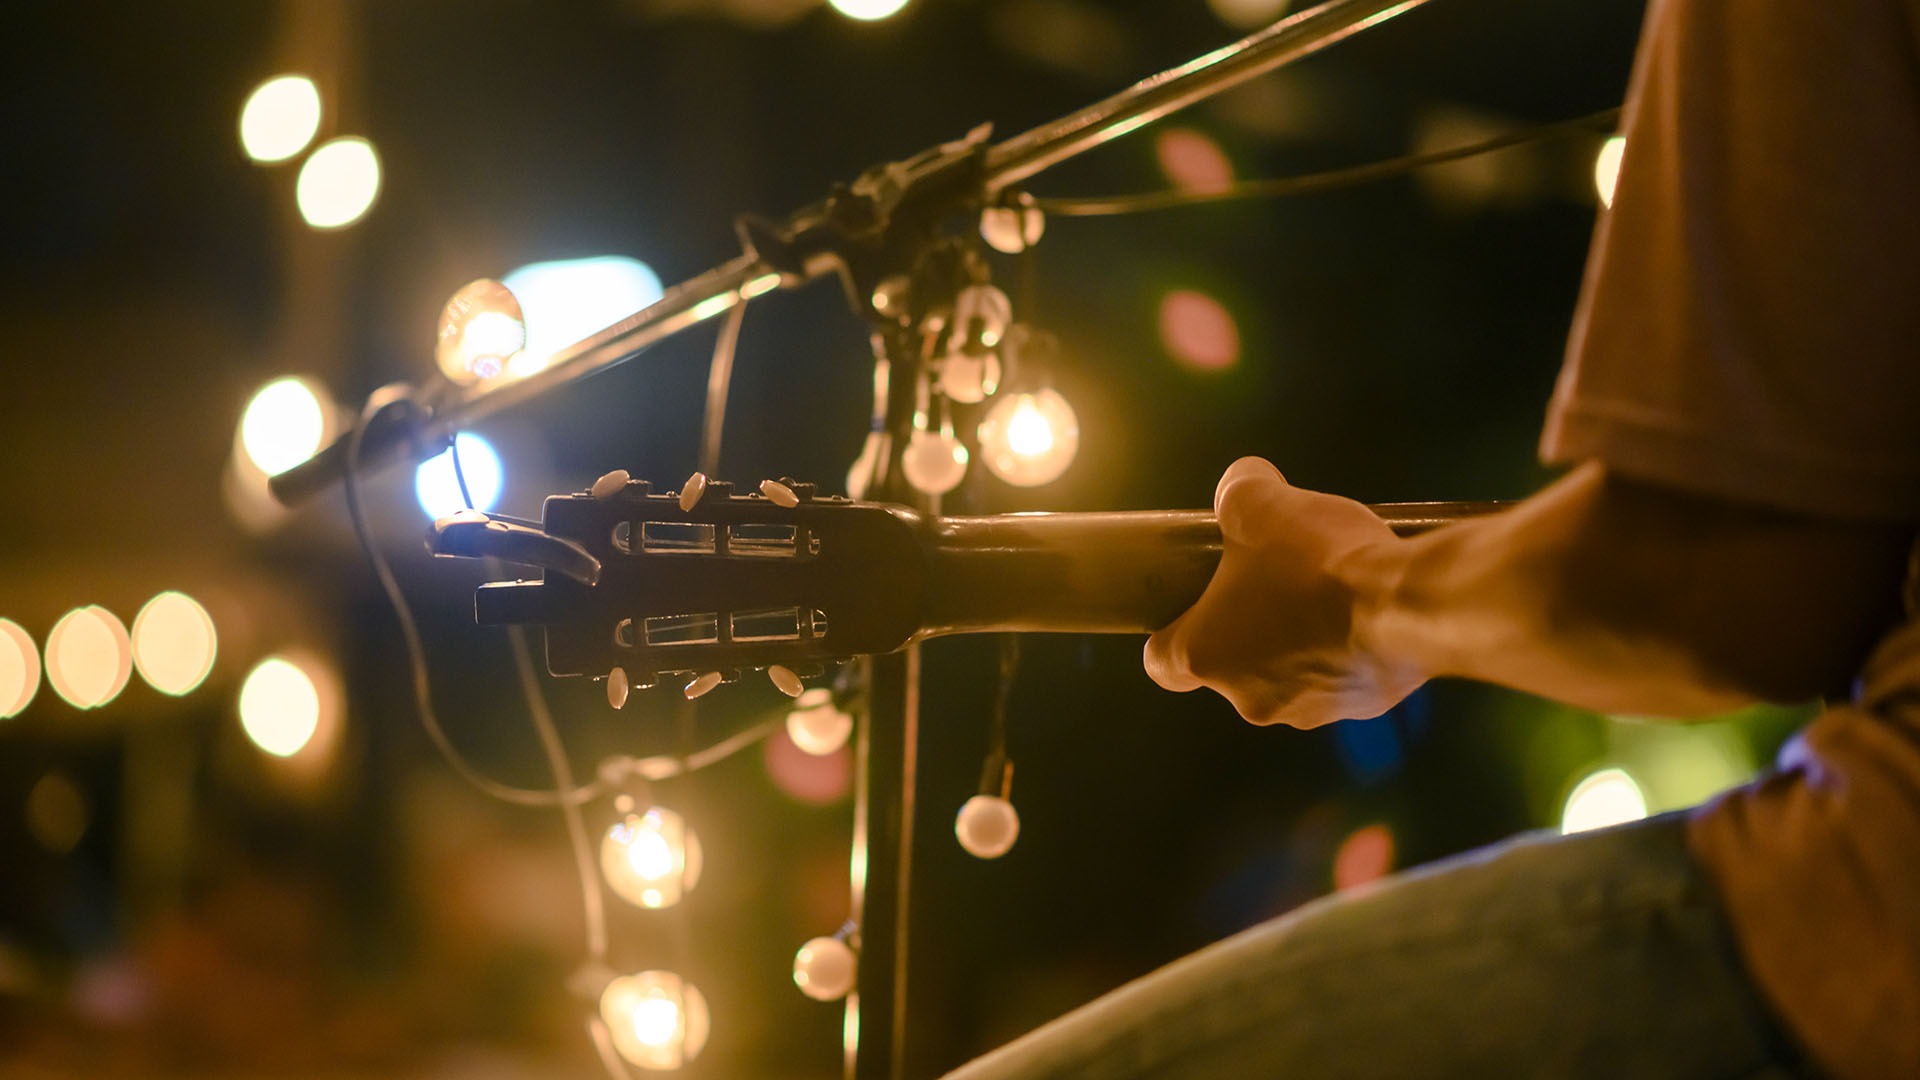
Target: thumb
[(1246, 496), (1165, 658)]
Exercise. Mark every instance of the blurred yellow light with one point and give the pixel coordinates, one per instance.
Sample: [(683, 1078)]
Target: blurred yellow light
[(19, 669), (1607, 797), (867, 10), (338, 183), (657, 1019), (650, 859), (280, 118), (481, 329), (1246, 14), (174, 643), (89, 657), (1606, 168), (280, 706), (1030, 439), (283, 425)]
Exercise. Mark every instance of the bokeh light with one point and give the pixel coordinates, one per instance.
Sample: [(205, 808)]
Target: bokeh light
[(1247, 14), (283, 425), (867, 10), (1365, 855), (280, 118), (1193, 160), (824, 969), (657, 1019), (56, 813), (438, 489), (481, 327), (565, 300), (1606, 168), (284, 702), (817, 779), (1607, 797), (19, 669), (174, 643), (934, 462), (89, 657), (817, 725), (338, 183), (650, 859), (1198, 331), (1030, 439)]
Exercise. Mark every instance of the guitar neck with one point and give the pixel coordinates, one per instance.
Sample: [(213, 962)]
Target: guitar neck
[(1128, 572)]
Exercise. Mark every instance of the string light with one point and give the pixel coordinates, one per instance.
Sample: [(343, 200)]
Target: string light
[(280, 118), (934, 461), (816, 725), (174, 643), (338, 183), (19, 669), (481, 327), (650, 859), (284, 423), (285, 701), (437, 486), (1029, 439), (657, 1019), (824, 969), (987, 826), (89, 657), (1607, 797)]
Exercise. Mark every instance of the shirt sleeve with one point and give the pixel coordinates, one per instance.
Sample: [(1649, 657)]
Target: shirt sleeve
[(1749, 326)]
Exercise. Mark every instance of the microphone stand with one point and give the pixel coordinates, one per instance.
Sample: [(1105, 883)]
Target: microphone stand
[(877, 229)]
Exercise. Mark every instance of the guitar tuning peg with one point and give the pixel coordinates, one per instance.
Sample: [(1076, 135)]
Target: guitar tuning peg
[(617, 688), (785, 680), (610, 484), (779, 494), (644, 682), (803, 491), (703, 683), (692, 491)]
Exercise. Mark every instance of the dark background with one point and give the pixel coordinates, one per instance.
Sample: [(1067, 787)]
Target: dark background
[(1398, 342)]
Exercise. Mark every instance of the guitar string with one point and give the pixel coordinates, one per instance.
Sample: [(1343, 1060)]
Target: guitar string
[(1315, 183)]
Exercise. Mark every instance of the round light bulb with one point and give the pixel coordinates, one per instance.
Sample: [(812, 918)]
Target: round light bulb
[(987, 826), (1011, 230), (174, 643), (338, 183), (284, 423), (19, 669), (824, 969), (89, 657), (436, 485), (280, 118), (1030, 439), (481, 328), (657, 1019), (934, 461), (280, 706), (816, 725), (968, 377), (650, 859)]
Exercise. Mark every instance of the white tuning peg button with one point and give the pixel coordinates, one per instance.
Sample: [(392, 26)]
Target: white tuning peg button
[(691, 491), (702, 683), (785, 681), (824, 969), (609, 485), (618, 687), (987, 826), (779, 494)]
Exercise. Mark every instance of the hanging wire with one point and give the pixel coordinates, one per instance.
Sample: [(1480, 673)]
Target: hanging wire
[(993, 770), (1314, 183), (719, 378)]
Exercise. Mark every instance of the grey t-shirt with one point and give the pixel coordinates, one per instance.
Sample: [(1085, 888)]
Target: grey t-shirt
[(1750, 329)]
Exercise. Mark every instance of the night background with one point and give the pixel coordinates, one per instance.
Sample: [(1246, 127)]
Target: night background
[(175, 902)]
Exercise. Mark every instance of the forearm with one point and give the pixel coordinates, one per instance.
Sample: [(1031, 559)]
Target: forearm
[(1628, 599)]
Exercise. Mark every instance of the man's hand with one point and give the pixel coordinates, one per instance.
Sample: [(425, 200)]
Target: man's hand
[(1277, 632)]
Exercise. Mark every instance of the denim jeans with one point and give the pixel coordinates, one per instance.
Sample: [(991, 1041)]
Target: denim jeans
[(1602, 954)]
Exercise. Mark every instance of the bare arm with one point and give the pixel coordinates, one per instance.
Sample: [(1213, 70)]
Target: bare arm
[(1598, 591)]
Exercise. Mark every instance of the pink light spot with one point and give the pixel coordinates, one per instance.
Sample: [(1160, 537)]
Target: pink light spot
[(1192, 160), (1365, 855), (815, 780), (1198, 332)]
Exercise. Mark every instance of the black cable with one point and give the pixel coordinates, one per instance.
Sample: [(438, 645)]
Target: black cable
[(1314, 183)]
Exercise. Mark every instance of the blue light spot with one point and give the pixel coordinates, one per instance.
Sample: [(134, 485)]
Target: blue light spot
[(568, 299), (438, 490)]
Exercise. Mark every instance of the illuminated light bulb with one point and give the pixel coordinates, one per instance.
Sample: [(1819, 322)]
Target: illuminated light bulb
[(867, 10), (818, 726), (283, 425), (1030, 439), (174, 643), (565, 300), (19, 669), (481, 328), (657, 1020), (824, 969), (1011, 230), (280, 118), (987, 826), (981, 314), (1198, 331), (934, 461), (1607, 797), (89, 657), (650, 860), (281, 705), (1606, 168), (968, 377), (438, 489), (338, 183)]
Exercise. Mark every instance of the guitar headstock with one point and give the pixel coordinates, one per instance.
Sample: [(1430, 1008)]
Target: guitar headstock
[(704, 579)]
